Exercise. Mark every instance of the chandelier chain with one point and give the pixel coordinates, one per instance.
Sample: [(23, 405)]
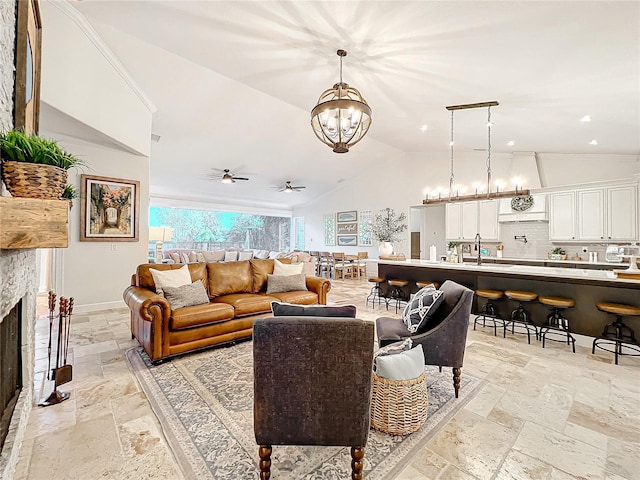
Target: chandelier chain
[(488, 150), (340, 69), (452, 176)]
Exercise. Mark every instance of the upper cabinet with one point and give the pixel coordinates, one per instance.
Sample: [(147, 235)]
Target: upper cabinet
[(465, 219), (607, 214)]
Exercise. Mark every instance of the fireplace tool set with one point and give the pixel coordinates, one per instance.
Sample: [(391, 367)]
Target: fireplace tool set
[(63, 372)]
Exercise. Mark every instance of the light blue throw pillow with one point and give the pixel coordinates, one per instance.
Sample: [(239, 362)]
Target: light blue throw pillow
[(407, 365)]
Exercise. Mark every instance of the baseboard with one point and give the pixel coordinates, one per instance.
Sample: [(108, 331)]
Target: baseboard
[(95, 307)]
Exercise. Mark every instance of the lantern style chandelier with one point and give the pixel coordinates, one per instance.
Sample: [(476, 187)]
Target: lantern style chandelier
[(455, 191), (342, 117)]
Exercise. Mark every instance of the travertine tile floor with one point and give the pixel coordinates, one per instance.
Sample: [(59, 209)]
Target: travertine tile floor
[(542, 414)]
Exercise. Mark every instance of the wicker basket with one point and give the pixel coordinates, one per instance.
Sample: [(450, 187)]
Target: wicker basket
[(398, 407), (34, 180)]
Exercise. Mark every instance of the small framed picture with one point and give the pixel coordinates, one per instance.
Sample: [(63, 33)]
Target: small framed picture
[(347, 240), (109, 209), (351, 216), (350, 228)]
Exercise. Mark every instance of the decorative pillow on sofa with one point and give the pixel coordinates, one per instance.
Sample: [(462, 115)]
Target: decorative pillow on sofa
[(175, 257), (230, 256), (286, 283), (280, 268), (245, 256), (186, 295), (216, 256), (421, 308), (170, 278), (402, 366), (193, 257), (200, 257), (280, 309), (184, 257)]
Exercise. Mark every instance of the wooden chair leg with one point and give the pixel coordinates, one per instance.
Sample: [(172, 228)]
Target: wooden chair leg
[(264, 452), (357, 454), (456, 380)]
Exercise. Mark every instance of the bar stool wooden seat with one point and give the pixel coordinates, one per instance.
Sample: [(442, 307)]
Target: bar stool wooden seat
[(488, 311), (376, 292), (396, 291), (556, 321), (520, 315), (424, 283), (618, 334)]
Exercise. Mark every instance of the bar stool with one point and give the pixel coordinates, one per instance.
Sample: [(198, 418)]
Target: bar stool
[(396, 291), (520, 315), (488, 311), (376, 292), (424, 283), (618, 333), (556, 321)]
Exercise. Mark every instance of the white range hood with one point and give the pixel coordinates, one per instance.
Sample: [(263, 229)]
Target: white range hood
[(522, 210)]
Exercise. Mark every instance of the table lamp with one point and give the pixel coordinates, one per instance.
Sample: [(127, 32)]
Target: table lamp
[(160, 235)]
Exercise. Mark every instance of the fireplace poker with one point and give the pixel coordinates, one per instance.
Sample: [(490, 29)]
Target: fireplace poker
[(52, 308)]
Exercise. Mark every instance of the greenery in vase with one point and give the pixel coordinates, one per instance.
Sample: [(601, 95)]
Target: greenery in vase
[(558, 251), (388, 225), (17, 146), (70, 192)]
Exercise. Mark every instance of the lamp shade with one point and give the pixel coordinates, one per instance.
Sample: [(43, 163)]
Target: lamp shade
[(160, 234)]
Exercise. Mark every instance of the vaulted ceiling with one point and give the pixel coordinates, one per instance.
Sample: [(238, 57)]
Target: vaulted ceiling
[(234, 83)]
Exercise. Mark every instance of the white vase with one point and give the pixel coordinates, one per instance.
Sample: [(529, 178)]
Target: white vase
[(385, 249)]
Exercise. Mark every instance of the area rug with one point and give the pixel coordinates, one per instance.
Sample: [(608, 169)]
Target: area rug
[(204, 403)]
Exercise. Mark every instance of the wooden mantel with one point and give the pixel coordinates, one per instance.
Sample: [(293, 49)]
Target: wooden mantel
[(33, 223)]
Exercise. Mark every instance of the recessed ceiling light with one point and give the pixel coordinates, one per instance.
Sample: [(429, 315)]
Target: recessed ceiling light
[(586, 118), (424, 128), (511, 143), (593, 142)]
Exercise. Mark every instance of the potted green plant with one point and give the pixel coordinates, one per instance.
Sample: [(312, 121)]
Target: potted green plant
[(69, 193), (558, 254), (33, 166), (387, 228)]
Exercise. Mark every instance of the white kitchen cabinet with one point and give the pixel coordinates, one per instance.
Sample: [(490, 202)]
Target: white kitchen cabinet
[(622, 213), (488, 226), (465, 219), (562, 216), (591, 214)]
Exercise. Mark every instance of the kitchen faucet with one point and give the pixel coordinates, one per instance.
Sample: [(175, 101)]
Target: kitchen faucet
[(477, 247)]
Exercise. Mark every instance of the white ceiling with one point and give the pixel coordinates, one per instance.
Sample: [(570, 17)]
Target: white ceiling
[(234, 83)]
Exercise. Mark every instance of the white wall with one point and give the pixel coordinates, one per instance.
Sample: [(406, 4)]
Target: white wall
[(95, 273), (82, 78)]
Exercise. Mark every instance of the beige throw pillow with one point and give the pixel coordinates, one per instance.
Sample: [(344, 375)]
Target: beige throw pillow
[(186, 295), (170, 278), (280, 268), (286, 283)]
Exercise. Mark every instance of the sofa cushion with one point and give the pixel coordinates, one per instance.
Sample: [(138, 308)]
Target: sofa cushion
[(175, 257), (286, 283), (193, 257), (402, 366), (186, 295), (247, 303), (305, 298), (421, 308), (198, 271), (170, 278), (280, 268), (216, 256), (229, 277), (198, 315), (184, 257), (260, 269), (289, 310)]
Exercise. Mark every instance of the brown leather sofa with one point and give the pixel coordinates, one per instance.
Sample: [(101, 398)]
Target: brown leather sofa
[(237, 290)]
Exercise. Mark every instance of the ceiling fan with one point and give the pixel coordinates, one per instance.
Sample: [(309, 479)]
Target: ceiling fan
[(226, 176), (288, 188)]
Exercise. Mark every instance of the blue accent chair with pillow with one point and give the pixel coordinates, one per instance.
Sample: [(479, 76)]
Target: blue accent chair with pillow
[(312, 384), (443, 336)]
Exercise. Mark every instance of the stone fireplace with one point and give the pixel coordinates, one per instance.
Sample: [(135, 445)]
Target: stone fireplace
[(18, 279)]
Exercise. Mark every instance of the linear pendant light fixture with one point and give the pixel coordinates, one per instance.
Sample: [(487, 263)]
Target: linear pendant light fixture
[(476, 196), (342, 117)]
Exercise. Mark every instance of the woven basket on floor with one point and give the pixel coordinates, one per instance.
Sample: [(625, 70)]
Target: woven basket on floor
[(34, 180), (398, 407)]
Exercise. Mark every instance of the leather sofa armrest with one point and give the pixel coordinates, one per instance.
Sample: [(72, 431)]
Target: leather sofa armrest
[(147, 304), (150, 314), (320, 286)]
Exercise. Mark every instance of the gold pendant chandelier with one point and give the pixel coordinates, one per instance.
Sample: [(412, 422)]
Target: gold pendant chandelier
[(342, 117)]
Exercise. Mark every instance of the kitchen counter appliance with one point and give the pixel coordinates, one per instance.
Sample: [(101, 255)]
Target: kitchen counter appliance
[(612, 254)]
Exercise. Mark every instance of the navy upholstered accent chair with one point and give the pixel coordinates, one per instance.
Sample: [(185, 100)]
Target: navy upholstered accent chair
[(444, 341), (312, 384)]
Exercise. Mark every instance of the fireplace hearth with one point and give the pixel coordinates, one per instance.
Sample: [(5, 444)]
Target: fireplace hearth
[(10, 367)]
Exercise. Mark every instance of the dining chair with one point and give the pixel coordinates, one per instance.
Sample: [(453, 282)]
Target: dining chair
[(361, 263), (340, 266)]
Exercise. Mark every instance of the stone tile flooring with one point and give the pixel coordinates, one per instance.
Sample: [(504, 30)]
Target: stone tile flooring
[(542, 414)]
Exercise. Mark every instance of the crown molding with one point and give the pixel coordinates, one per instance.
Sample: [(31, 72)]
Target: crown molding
[(86, 28)]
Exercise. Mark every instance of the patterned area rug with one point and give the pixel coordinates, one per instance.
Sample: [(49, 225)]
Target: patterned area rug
[(204, 403)]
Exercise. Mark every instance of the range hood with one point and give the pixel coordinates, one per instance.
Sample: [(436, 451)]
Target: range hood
[(524, 209)]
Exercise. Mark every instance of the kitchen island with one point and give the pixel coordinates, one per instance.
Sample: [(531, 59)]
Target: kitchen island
[(586, 287)]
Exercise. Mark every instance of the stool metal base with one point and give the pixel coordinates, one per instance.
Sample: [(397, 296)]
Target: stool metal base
[(520, 317), (617, 335), (396, 294), (557, 325), (376, 292), (488, 314)]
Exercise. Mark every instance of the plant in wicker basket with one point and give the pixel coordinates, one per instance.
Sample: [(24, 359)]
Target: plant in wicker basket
[(33, 166)]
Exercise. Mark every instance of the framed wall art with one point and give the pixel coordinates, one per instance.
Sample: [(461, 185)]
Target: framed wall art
[(330, 229), (351, 216), (109, 209), (26, 113), (347, 240), (347, 228), (365, 236)]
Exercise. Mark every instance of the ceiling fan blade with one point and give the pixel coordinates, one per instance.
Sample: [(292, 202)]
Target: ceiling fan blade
[(240, 178), (299, 188)]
